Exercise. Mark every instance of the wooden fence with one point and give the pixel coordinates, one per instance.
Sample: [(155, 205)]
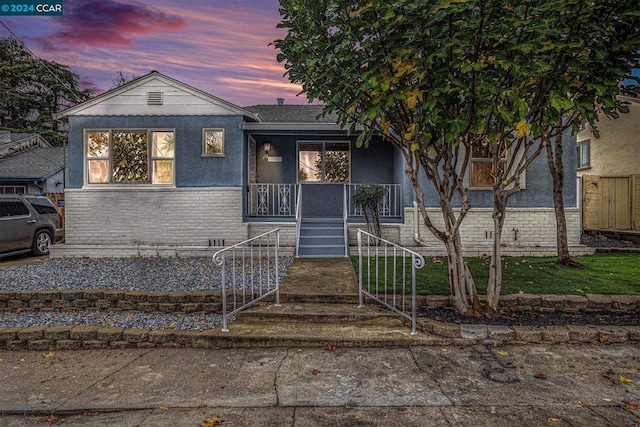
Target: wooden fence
[(611, 202)]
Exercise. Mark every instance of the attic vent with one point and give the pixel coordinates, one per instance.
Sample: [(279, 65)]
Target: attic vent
[(154, 98)]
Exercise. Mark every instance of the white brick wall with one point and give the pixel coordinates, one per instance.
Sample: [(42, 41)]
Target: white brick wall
[(536, 226), (287, 231), (166, 216)]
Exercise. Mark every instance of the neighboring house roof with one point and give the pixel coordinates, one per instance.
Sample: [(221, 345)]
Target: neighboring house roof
[(292, 113), (170, 97), (35, 164)]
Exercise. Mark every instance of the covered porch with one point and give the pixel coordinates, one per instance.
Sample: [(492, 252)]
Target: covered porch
[(309, 179)]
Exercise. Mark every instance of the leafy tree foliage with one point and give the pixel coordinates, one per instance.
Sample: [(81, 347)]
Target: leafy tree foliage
[(33, 90), (438, 78)]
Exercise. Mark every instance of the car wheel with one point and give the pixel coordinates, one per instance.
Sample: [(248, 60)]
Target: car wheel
[(41, 243)]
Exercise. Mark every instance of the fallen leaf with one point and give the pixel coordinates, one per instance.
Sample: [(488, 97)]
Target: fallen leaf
[(624, 379), (603, 338), (19, 310), (503, 353), (631, 405), (50, 354), (315, 372), (48, 419), (357, 395), (163, 408), (541, 375), (330, 347), (171, 325), (444, 350), (553, 420), (221, 385), (21, 359), (0, 360), (357, 417), (211, 422), (606, 399), (521, 292)]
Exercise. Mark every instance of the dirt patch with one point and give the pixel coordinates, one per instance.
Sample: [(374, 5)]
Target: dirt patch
[(537, 318)]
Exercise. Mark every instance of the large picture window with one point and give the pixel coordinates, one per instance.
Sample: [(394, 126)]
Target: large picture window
[(324, 162), (124, 156)]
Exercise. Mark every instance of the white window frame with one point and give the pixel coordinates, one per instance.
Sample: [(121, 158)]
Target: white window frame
[(581, 146), (323, 143), (204, 142), (150, 158), (4, 188)]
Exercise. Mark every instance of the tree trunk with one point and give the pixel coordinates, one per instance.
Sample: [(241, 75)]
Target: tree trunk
[(554, 159), (494, 286)]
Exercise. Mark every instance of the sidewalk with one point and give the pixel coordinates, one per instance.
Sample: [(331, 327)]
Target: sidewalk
[(414, 386)]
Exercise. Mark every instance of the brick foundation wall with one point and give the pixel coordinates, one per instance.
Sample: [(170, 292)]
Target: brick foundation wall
[(535, 227), (164, 216)]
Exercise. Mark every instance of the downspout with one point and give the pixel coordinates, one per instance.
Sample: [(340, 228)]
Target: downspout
[(416, 228)]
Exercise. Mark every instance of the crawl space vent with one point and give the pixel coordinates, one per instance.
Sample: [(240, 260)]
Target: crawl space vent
[(154, 98)]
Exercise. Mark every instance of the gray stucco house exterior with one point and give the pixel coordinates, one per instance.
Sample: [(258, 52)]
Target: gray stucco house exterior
[(159, 167)]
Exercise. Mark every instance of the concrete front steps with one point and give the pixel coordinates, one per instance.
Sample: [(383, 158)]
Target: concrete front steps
[(319, 301), (321, 237)]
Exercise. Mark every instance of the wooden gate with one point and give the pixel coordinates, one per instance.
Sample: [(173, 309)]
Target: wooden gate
[(610, 203)]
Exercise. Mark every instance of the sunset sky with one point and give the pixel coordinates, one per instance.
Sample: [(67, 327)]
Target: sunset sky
[(218, 46)]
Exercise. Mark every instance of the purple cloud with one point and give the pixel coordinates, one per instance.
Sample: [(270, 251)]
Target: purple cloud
[(108, 23)]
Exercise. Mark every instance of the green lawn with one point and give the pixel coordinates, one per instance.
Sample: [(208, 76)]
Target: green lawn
[(602, 274)]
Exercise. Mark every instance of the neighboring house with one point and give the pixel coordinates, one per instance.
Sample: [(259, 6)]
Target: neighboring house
[(610, 171), (29, 165), (156, 165)]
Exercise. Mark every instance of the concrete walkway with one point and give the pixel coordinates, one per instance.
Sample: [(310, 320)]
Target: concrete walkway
[(534, 385)]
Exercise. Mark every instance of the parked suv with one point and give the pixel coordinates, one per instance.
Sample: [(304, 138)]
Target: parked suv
[(28, 223)]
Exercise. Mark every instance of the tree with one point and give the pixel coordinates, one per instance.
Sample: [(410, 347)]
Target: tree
[(439, 79), (121, 79), (32, 90)]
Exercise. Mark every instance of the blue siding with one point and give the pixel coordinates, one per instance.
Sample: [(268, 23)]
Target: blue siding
[(539, 186), (374, 164), (192, 170)]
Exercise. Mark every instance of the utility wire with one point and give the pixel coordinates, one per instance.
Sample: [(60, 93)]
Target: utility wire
[(44, 63)]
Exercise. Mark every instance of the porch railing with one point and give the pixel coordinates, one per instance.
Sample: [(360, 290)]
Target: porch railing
[(250, 273), (390, 207), (387, 274), (272, 200)]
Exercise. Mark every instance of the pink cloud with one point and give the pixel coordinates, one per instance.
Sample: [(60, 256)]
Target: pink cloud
[(108, 23)]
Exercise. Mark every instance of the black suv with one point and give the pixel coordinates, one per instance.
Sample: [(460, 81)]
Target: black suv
[(28, 224)]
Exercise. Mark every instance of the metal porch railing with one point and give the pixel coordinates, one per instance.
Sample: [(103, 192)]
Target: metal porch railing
[(250, 273), (272, 200), (390, 207), (387, 274)]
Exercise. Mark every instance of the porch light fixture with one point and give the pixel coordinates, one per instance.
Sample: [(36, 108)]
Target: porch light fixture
[(267, 148)]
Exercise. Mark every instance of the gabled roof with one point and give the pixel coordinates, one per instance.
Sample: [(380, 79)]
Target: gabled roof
[(208, 103), (292, 113), (35, 164)]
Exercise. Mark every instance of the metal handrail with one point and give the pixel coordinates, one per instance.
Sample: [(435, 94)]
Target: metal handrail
[(298, 216), (345, 216), (390, 293), (249, 287)]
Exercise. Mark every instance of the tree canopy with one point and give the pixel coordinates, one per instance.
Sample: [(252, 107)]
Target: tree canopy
[(32, 90), (439, 79)]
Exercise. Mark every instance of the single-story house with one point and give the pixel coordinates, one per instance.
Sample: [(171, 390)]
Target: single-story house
[(30, 165), (610, 170), (157, 164)]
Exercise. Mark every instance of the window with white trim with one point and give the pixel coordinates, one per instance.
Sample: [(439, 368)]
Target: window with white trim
[(584, 154), (213, 142), (12, 189), (126, 156)]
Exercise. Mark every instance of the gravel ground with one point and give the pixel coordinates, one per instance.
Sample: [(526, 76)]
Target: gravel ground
[(128, 274), (600, 241)]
